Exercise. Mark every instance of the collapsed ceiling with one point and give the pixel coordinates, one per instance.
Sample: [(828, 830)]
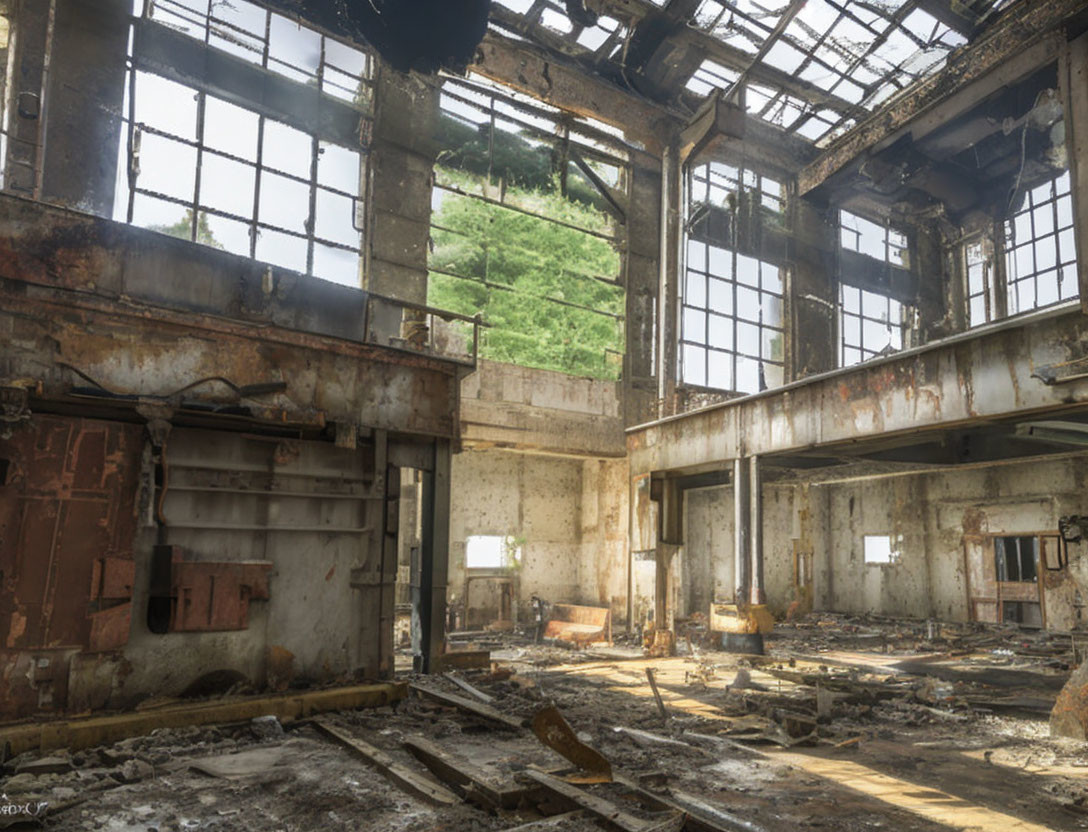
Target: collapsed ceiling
[(813, 68)]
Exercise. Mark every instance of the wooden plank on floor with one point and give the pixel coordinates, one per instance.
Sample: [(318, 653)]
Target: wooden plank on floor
[(699, 816), (467, 688), (579, 798), (477, 708), (464, 775), (409, 780), (552, 823)]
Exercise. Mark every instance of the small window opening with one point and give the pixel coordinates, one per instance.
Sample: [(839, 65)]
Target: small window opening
[(1016, 559), (880, 549), (488, 551)]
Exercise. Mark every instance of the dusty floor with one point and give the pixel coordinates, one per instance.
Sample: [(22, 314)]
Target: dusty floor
[(826, 732)]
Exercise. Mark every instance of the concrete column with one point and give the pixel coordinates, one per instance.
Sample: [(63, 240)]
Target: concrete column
[(813, 293), (1073, 80), (741, 525), (670, 513), (755, 531), (429, 582)]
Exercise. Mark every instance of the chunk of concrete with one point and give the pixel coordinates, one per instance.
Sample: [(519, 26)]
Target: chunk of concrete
[(1069, 718)]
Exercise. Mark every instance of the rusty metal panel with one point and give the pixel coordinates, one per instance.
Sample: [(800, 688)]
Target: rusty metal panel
[(66, 505), (215, 596), (110, 628)]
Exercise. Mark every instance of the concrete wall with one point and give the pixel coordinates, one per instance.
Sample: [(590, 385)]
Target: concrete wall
[(706, 557), (543, 462), (928, 513)]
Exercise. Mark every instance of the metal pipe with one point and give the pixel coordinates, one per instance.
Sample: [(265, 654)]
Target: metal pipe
[(663, 261), (755, 531), (741, 520)]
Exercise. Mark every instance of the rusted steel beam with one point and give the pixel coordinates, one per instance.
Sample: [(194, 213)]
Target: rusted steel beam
[(1022, 27), (968, 379), (534, 72), (463, 775), (84, 733)]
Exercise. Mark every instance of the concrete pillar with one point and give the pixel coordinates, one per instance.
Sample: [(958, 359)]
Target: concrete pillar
[(429, 580), (1073, 80), (86, 89), (28, 82), (742, 518), (755, 531), (812, 346)]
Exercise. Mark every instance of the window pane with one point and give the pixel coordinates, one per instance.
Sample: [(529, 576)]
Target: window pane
[(695, 290), (230, 129), (281, 249), (286, 149), (694, 363), (339, 168), (220, 232), (227, 185), (166, 105), (284, 202), (167, 167), (694, 325), (720, 333), (720, 370), (334, 218), (337, 265)]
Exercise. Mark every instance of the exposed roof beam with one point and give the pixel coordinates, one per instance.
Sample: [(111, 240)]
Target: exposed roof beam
[(950, 16), (1019, 42), (729, 56)]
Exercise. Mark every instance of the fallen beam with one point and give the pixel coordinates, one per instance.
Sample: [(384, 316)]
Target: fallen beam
[(476, 708), (464, 776), (700, 817), (402, 776), (580, 799), (467, 688), (85, 733), (554, 822)]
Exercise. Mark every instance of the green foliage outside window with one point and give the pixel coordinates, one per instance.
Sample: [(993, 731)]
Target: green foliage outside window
[(534, 280)]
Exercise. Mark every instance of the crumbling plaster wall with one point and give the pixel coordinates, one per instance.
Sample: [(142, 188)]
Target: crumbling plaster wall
[(927, 514), (933, 512), (707, 559)]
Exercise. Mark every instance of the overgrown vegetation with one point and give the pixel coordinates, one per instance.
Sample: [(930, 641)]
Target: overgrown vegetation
[(536, 282)]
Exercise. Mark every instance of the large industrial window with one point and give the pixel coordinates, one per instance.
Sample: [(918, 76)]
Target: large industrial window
[(527, 223), (731, 321), (1040, 254), (731, 326), (197, 166), (872, 320)]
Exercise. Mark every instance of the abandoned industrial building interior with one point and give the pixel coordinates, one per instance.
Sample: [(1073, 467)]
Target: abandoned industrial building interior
[(544, 415)]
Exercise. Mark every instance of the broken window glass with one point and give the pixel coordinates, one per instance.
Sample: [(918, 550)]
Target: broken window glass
[(527, 216), (1040, 249)]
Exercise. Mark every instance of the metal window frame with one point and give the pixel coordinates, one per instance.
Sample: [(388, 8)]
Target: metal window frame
[(1010, 245), (134, 130), (571, 134)]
